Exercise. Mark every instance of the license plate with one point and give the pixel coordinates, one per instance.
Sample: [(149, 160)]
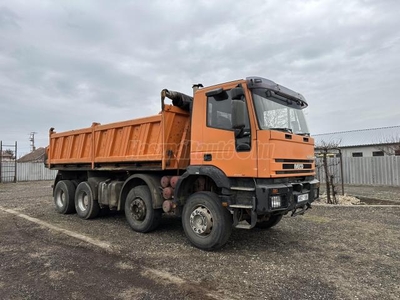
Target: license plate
[(302, 197)]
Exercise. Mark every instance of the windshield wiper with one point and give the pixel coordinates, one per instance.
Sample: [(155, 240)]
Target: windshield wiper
[(281, 129)]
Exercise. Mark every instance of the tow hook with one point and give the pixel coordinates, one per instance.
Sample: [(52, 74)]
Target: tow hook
[(303, 209)]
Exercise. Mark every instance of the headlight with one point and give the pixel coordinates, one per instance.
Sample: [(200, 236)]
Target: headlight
[(276, 201)]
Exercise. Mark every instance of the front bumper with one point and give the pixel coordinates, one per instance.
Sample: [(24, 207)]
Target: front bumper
[(269, 198), (285, 197)]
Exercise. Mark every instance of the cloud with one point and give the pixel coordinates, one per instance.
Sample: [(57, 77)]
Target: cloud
[(67, 64)]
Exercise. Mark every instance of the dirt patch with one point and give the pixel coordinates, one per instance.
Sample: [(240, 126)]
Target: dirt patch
[(71, 271)]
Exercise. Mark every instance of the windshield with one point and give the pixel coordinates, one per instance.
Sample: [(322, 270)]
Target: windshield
[(276, 112)]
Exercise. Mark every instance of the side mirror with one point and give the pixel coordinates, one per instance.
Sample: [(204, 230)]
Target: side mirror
[(238, 114), (237, 93)]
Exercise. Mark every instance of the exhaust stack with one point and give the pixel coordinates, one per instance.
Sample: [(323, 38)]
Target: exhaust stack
[(196, 87)]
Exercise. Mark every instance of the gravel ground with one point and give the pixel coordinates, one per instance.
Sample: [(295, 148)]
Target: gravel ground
[(371, 192), (329, 253)]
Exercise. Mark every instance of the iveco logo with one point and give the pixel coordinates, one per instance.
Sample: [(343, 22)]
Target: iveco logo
[(298, 166)]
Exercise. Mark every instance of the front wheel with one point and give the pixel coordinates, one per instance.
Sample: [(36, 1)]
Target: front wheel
[(207, 224), (272, 221), (139, 211)]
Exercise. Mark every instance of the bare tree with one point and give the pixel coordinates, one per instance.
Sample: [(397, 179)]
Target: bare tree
[(390, 145), (9, 152), (326, 148)]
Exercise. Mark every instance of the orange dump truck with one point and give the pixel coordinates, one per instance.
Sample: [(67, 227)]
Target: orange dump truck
[(236, 154)]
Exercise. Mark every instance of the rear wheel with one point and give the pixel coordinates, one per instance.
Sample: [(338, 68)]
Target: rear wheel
[(139, 211), (272, 221), (64, 194), (207, 224), (85, 205)]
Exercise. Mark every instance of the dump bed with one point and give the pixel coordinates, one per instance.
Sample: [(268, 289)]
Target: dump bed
[(155, 143)]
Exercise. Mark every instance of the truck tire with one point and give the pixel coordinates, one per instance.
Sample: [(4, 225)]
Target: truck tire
[(207, 224), (139, 211), (86, 207), (273, 220), (64, 194)]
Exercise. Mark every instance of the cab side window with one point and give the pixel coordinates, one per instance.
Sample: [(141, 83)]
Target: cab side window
[(219, 111), (219, 115)]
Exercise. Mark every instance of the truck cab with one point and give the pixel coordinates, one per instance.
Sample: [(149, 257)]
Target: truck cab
[(251, 138)]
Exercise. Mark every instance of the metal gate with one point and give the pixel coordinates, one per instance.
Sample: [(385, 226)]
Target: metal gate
[(8, 162)]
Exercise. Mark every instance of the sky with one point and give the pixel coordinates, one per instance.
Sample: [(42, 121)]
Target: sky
[(66, 64)]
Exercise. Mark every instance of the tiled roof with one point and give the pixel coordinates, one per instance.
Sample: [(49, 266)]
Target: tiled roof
[(363, 137), (6, 155), (34, 156)]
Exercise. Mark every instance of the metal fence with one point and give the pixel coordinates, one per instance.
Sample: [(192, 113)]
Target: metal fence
[(28, 171), (356, 170), (363, 170)]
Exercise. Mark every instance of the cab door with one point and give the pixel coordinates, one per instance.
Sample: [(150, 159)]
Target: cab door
[(214, 141)]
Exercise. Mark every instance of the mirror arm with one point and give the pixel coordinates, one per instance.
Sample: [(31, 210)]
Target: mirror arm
[(239, 132)]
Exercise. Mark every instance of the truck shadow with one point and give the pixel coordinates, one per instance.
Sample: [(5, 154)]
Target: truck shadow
[(273, 239)]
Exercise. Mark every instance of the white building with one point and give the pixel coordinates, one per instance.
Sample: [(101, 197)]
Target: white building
[(364, 142)]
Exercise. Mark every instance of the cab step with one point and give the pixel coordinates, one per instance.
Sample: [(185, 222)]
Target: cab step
[(243, 226)]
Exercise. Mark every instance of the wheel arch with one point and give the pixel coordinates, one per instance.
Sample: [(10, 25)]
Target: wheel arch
[(152, 182), (69, 175), (187, 180)]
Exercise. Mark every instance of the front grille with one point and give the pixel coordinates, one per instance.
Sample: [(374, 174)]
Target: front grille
[(294, 166)]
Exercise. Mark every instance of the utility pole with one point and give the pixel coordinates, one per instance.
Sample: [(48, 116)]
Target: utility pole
[(32, 140)]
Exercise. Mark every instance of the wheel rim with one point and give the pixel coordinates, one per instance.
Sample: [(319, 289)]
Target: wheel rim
[(201, 221), (138, 209), (83, 201), (60, 200)]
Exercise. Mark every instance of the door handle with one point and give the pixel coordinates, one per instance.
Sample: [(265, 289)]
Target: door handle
[(208, 157)]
